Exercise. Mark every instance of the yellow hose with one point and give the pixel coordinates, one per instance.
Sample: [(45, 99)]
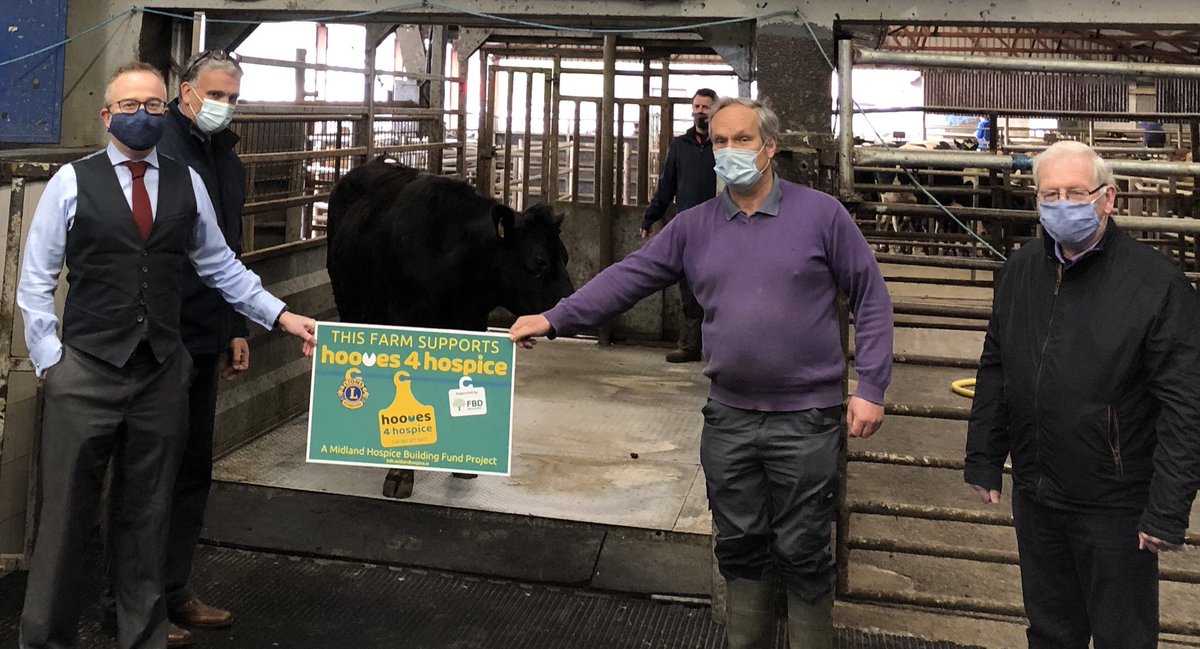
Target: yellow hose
[(962, 388)]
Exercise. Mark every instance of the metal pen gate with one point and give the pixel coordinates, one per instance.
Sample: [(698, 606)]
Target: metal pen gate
[(1176, 236)]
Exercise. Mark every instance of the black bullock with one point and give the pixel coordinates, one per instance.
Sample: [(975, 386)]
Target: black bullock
[(409, 248), (415, 249)]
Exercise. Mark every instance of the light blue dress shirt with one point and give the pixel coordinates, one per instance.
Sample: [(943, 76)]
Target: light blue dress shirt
[(46, 247)]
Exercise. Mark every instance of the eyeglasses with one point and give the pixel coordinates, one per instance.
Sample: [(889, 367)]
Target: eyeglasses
[(1073, 195), (131, 106), (213, 55)]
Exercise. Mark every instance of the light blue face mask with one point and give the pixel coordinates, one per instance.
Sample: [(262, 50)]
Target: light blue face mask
[(737, 167), (213, 115), (1068, 222)]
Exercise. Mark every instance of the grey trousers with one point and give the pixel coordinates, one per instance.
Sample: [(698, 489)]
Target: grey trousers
[(771, 479), (190, 494), (135, 417)]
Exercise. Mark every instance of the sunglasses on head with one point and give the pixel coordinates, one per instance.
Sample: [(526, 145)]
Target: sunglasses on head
[(213, 55)]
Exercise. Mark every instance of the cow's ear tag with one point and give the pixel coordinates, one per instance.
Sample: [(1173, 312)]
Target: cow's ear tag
[(500, 229)]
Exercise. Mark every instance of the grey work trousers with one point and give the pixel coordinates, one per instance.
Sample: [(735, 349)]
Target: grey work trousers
[(134, 416), (771, 479)]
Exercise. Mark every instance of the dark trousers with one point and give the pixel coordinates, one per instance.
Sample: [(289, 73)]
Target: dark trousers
[(193, 482), (95, 412), (1083, 577), (771, 480), (690, 320), (192, 485)]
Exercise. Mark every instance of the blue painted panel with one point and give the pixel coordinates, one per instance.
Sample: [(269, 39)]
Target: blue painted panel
[(31, 89)]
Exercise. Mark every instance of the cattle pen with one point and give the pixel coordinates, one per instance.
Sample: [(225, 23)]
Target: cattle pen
[(577, 109)]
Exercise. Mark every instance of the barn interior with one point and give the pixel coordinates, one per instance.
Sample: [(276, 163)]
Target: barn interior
[(526, 101)]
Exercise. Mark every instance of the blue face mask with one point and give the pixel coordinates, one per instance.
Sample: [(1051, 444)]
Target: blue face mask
[(1068, 222), (139, 131), (737, 167)]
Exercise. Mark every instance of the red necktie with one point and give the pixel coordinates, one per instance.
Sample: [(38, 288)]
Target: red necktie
[(143, 215)]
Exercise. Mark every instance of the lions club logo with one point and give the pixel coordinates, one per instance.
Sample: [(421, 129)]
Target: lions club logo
[(353, 391)]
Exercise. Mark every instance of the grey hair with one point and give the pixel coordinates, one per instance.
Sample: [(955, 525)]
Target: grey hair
[(768, 121), (202, 61), (1069, 148)]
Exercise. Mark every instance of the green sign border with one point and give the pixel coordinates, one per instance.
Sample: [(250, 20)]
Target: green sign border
[(324, 409)]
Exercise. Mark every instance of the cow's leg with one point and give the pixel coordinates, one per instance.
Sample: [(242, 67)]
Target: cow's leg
[(398, 483)]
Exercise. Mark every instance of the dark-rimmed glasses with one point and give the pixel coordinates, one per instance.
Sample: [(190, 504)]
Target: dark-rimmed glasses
[(131, 106)]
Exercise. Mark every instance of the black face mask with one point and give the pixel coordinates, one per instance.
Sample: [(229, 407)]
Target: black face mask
[(139, 131), (702, 123)]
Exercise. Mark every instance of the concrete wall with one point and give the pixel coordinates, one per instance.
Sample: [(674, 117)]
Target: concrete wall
[(277, 385), (655, 317), (18, 438)]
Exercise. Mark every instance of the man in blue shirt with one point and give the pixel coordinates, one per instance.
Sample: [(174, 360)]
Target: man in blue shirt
[(983, 132), (124, 221)]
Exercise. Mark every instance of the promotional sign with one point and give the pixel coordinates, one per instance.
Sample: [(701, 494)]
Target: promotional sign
[(414, 398)]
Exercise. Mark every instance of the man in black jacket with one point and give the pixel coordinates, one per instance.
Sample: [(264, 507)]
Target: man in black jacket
[(1090, 381), (687, 178), (196, 134)]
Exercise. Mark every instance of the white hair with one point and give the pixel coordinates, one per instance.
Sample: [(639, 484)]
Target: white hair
[(1069, 148)]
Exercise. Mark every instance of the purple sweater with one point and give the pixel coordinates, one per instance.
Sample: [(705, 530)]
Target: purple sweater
[(768, 285)]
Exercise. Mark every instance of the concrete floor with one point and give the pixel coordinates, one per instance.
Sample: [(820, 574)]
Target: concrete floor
[(611, 436)]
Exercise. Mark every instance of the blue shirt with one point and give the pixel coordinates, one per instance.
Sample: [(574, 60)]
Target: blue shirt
[(45, 251)]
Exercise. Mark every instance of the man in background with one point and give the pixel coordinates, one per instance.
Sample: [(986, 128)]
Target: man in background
[(688, 179)]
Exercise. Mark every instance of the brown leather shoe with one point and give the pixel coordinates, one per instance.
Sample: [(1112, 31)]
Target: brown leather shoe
[(198, 615), (177, 637)]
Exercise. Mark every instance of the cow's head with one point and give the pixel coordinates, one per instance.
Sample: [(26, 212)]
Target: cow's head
[(531, 265)]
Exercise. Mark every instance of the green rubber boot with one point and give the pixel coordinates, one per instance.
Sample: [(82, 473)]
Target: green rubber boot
[(750, 614), (810, 625)]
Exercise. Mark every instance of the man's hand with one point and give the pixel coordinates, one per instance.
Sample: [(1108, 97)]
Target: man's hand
[(526, 328), (238, 360), (990, 496), (1155, 545), (301, 327), (863, 417), (645, 232)]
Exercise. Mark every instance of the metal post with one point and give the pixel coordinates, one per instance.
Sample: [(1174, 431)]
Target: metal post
[(841, 530), (552, 135), (963, 159), (487, 116), (643, 141), (509, 89), (549, 178), (301, 54), (369, 90), (437, 93), (461, 159), (604, 160), (845, 120), (8, 293), (527, 142), (968, 62)]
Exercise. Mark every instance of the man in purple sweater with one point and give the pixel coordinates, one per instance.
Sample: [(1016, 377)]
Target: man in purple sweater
[(767, 260)]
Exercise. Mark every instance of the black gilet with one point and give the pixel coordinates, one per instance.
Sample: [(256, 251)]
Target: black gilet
[(124, 290)]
